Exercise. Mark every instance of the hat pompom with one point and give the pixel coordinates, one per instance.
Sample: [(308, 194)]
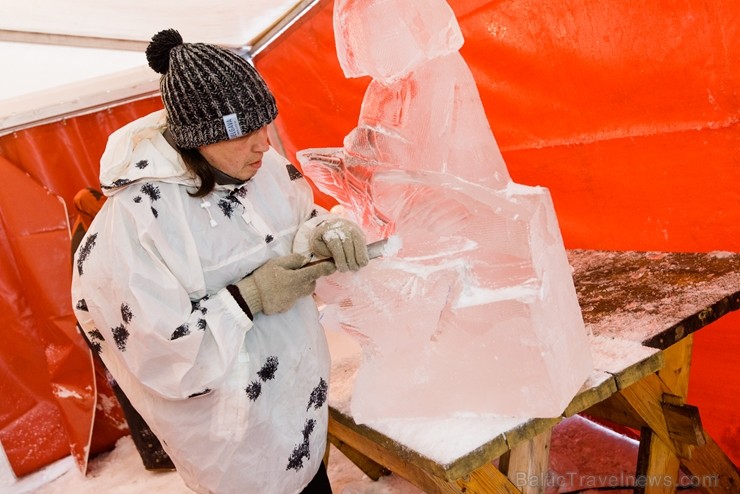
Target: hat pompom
[(158, 51)]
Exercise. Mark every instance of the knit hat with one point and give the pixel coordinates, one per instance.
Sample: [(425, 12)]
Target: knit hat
[(211, 94)]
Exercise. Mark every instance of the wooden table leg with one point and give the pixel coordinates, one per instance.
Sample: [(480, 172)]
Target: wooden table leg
[(657, 465), (526, 464), (657, 400), (369, 467)]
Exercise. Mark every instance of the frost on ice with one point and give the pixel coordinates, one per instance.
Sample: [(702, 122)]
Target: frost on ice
[(477, 312)]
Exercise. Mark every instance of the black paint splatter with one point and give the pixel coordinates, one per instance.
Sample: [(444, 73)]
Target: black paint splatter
[(254, 390), (227, 207), (318, 395), (266, 373), (268, 370), (152, 191), (126, 313), (82, 305), (196, 305), (142, 164), (303, 450), (293, 172), (95, 347), (117, 183), (84, 251), (314, 213), (95, 334), (181, 331), (231, 202), (202, 324), (95, 337), (269, 238), (120, 335), (207, 390)]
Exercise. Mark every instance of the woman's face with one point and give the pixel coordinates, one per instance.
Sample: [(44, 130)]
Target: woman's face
[(239, 158)]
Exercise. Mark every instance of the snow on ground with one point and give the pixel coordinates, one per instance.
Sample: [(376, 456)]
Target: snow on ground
[(120, 471), (583, 455)]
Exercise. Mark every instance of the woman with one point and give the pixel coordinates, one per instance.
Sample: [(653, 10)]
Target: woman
[(191, 284)]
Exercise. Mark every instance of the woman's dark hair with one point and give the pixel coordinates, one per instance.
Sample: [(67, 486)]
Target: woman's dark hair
[(197, 164)]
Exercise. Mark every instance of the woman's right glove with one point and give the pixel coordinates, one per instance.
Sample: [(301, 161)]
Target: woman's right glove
[(276, 285), (343, 241)]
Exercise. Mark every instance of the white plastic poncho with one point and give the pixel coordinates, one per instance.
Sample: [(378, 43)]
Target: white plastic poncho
[(240, 405)]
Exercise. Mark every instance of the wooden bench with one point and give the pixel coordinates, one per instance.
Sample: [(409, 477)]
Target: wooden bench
[(641, 309)]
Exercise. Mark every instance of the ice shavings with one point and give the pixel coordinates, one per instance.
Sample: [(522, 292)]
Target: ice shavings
[(472, 295), (334, 231), (392, 246)]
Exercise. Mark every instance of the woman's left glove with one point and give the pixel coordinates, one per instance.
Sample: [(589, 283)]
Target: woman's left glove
[(341, 240)]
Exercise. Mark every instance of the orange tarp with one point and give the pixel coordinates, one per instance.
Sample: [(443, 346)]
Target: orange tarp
[(55, 402)]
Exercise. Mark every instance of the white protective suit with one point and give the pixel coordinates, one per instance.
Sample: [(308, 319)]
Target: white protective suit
[(240, 405)]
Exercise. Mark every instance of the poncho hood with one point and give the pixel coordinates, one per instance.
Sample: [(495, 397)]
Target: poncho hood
[(138, 151)]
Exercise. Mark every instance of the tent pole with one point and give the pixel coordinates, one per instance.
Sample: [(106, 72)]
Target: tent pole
[(273, 32)]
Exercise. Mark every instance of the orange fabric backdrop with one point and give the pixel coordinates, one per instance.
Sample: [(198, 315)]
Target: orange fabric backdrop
[(47, 378), (628, 112)]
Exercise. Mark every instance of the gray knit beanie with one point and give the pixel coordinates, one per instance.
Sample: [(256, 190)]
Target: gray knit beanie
[(211, 94)]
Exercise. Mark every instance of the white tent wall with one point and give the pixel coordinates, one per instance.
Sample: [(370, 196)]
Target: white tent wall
[(66, 58)]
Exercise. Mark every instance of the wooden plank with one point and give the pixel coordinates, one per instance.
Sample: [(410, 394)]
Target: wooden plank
[(529, 430), (618, 410), (712, 470), (657, 466), (598, 387), (675, 376), (628, 361), (654, 297), (388, 458), (677, 365), (645, 398), (694, 322), (341, 425), (684, 424), (369, 467), (526, 464), (708, 463), (486, 479)]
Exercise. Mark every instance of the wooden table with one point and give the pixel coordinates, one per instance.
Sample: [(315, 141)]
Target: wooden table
[(641, 309)]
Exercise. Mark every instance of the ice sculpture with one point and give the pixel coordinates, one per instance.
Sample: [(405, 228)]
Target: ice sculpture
[(477, 313)]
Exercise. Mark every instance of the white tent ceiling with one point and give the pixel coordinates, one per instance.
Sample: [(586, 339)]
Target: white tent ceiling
[(61, 57)]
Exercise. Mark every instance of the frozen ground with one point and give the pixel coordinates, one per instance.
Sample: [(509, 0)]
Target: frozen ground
[(582, 454), (121, 472)]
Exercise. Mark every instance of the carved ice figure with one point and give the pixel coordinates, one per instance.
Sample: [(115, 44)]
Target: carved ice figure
[(477, 313)]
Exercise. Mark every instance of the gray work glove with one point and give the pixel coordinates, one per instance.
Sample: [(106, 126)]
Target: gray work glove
[(341, 240), (277, 285)]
